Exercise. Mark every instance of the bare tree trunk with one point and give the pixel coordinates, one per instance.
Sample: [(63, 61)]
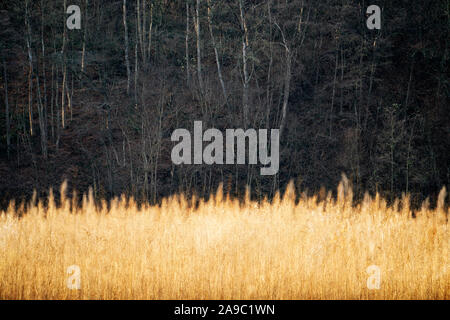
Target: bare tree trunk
[(269, 72), (287, 89), (158, 151), (245, 95), (145, 160), (83, 54), (63, 98), (287, 81), (219, 69), (408, 91), (41, 114), (342, 79), (333, 95), (188, 77), (408, 156), (199, 59), (8, 137), (44, 78), (52, 100), (58, 111), (63, 86), (69, 94), (140, 37), (392, 147), (359, 84), (289, 55), (136, 72), (30, 74), (372, 74), (127, 60), (150, 31), (42, 105), (144, 24)]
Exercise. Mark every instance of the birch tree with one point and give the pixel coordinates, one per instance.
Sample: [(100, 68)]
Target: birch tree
[(8, 137), (246, 80), (64, 70), (219, 69), (199, 53), (83, 53), (30, 66), (188, 77), (150, 32), (291, 48), (127, 60)]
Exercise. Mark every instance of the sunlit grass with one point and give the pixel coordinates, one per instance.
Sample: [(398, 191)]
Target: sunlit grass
[(224, 249)]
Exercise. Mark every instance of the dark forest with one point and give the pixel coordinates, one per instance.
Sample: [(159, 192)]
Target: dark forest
[(96, 106)]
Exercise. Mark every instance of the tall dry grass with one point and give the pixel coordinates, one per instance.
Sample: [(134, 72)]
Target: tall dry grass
[(223, 249)]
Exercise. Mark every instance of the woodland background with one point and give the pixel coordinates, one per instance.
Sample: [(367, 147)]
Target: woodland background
[(97, 106)]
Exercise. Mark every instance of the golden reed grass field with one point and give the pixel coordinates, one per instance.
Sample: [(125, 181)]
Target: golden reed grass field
[(222, 248)]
